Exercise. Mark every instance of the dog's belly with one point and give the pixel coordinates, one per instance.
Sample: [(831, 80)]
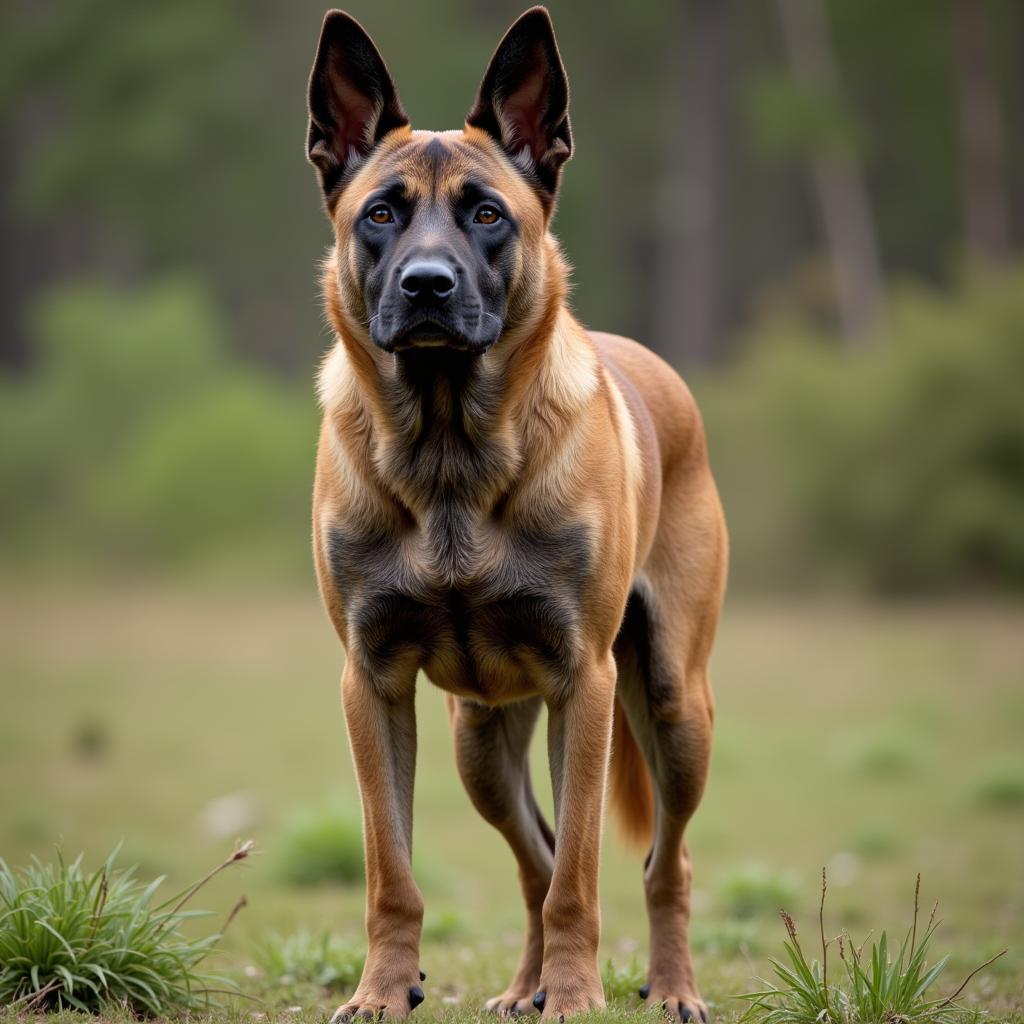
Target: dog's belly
[(500, 634), (493, 651)]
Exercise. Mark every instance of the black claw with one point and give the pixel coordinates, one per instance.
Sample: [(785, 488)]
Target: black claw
[(704, 1016), (539, 999), (416, 997), (423, 976), (561, 1018), (685, 1013), (645, 990)]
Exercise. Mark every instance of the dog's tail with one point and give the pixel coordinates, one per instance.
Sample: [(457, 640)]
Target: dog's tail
[(630, 783)]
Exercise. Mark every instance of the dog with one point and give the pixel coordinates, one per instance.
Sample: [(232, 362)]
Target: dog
[(520, 508)]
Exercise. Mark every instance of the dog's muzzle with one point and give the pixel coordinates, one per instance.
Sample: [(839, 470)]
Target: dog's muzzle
[(429, 311)]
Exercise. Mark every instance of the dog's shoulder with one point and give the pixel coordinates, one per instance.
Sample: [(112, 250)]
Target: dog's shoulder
[(664, 410)]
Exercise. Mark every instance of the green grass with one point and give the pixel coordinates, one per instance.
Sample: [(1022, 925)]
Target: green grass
[(755, 890), (883, 987), (1001, 789), (301, 966), (129, 712), (318, 846), (74, 940)]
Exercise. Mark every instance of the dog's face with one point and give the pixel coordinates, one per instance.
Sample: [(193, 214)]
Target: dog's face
[(439, 235)]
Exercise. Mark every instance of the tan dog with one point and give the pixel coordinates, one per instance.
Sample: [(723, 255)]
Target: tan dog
[(518, 507)]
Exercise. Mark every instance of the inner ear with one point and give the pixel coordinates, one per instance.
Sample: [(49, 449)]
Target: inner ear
[(525, 111), (353, 102), (523, 100)]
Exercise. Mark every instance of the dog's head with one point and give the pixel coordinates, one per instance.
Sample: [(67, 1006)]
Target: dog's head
[(441, 236)]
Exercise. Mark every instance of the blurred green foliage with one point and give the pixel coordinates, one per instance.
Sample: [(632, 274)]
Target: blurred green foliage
[(139, 441), (1001, 788), (785, 121), (159, 326), (142, 442), (444, 926), (319, 846), (899, 465), (147, 138), (755, 890)]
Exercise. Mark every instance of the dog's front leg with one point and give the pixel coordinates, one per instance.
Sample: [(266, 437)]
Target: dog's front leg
[(579, 741), (382, 735)]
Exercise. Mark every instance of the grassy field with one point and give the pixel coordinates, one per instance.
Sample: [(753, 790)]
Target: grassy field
[(876, 740)]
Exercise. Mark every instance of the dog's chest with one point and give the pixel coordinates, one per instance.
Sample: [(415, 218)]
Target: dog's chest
[(485, 612)]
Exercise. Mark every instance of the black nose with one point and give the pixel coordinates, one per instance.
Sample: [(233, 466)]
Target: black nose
[(427, 280)]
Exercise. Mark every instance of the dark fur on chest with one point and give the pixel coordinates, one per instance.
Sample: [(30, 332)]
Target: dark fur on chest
[(458, 586), (447, 460), (526, 603)]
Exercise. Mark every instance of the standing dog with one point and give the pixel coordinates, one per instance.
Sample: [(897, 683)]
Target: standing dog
[(518, 507)]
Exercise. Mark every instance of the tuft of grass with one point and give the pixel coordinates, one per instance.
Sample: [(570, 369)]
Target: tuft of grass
[(875, 842), (882, 760), (445, 926), (317, 847), (74, 941), (622, 982), (1001, 790), (91, 739), (291, 963), (754, 890), (877, 988), (728, 938)]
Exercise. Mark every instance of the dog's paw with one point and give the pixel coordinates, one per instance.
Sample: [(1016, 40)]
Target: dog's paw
[(511, 1004), (391, 1003), (559, 1001), (680, 1005)]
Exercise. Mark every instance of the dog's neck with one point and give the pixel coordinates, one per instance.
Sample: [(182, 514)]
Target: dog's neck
[(446, 430), (441, 442)]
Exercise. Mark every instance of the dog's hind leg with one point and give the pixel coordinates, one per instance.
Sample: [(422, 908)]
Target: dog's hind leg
[(662, 654), (492, 751)]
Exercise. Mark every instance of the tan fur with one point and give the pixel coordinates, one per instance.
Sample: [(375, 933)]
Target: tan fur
[(592, 430), (629, 783)]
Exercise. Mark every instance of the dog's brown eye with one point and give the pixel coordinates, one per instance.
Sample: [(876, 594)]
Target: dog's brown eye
[(487, 215), (380, 214)]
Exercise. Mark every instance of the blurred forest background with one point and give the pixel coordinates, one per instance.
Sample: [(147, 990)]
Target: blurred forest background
[(812, 209)]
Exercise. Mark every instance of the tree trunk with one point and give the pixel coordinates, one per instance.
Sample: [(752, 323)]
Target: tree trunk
[(838, 179), (688, 292), (981, 132)]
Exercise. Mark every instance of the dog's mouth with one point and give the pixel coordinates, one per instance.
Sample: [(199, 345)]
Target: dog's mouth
[(430, 333), (431, 330)]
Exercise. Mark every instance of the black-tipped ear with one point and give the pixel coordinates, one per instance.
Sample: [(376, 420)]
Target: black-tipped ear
[(353, 103), (524, 100)]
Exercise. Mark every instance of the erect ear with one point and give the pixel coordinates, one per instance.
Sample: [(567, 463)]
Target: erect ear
[(524, 101), (353, 103)]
